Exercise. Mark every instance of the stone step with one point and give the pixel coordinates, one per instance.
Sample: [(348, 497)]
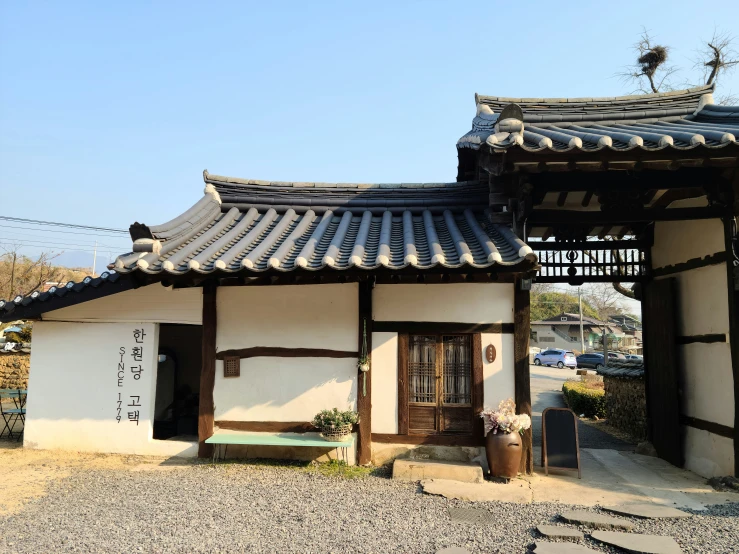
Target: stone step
[(517, 492), (559, 532), (647, 510), (596, 521), (562, 548), (417, 470), (638, 544)]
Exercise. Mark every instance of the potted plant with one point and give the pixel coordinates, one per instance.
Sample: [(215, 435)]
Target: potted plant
[(335, 425), (364, 363), (503, 445)]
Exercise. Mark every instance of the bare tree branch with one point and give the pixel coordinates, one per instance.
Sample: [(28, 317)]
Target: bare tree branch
[(649, 71), (22, 275), (716, 57)]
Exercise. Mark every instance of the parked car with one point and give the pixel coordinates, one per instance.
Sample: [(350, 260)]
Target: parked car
[(555, 356), (635, 357), (594, 360)]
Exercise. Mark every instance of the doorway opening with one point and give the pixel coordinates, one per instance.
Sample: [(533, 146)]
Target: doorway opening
[(178, 382)]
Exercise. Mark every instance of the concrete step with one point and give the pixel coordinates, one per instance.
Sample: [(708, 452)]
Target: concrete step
[(417, 470)]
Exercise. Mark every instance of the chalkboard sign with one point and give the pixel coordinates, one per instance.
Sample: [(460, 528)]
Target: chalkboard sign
[(560, 447)]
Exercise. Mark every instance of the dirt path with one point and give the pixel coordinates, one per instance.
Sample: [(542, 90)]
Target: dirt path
[(27, 473)]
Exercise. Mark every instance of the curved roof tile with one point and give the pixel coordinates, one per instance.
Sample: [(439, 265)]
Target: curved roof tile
[(682, 120), (260, 239)]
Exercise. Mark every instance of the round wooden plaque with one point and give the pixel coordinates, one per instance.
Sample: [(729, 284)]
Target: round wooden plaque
[(490, 353)]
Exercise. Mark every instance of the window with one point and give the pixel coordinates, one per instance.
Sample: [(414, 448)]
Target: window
[(440, 384), (563, 318), (533, 335)]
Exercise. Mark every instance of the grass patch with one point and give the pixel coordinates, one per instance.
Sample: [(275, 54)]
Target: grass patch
[(334, 468)]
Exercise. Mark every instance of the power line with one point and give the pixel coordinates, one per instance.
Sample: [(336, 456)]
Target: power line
[(57, 224), (62, 240), (55, 230), (42, 243)]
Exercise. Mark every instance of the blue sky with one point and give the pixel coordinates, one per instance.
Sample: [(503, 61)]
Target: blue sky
[(110, 112)]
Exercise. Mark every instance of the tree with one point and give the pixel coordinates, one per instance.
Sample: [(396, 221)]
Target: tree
[(606, 301), (651, 72), (21, 275), (547, 302), (650, 65)]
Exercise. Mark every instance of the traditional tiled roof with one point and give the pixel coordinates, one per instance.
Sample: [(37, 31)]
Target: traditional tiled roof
[(254, 226), (682, 120), (29, 306), (249, 226), (627, 370)]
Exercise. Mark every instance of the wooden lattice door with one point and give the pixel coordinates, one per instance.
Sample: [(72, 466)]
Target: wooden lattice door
[(440, 384)]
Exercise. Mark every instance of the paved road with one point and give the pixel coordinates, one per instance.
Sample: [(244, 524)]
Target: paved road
[(546, 392)]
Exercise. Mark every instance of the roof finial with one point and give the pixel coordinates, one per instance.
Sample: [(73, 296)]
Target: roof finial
[(205, 175), (703, 101)]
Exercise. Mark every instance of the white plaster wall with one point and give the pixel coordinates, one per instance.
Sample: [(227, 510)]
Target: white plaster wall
[(679, 241), (703, 301), (707, 454), (74, 388), (460, 302), (153, 303), (707, 391), (286, 389), (304, 316), (385, 383), (706, 372), (498, 376)]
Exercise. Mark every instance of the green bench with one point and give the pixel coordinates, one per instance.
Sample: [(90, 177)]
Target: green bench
[(265, 439)]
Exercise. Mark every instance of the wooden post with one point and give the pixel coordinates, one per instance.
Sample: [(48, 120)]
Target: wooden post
[(206, 407), (364, 379), (733, 329), (521, 332)]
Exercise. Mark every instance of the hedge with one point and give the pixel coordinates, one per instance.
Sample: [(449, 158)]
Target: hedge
[(583, 400)]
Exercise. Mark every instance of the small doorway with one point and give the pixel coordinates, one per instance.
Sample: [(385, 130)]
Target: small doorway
[(178, 382), (440, 384)]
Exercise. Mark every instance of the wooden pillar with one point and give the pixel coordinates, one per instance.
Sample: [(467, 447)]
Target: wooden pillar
[(521, 333), (364, 380), (733, 329), (206, 407)]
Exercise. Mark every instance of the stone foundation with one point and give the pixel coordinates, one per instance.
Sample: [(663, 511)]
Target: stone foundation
[(14, 371), (626, 405), (385, 453)]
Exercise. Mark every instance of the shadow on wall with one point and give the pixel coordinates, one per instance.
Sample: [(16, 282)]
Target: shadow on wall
[(285, 389)]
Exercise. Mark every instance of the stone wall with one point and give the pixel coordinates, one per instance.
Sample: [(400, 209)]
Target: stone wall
[(626, 405), (14, 371)]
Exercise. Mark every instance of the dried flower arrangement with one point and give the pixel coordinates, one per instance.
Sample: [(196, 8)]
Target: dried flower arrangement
[(504, 419)]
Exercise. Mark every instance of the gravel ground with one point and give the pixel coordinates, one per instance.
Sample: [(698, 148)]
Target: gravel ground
[(253, 508)]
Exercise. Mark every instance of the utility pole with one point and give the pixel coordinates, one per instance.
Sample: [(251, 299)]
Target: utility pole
[(94, 258), (582, 334)]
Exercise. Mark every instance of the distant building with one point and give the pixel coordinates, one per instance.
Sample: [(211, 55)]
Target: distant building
[(563, 331), (632, 330)]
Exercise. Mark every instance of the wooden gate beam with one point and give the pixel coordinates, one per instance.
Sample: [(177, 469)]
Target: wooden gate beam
[(549, 218), (733, 329), (522, 379), (206, 407), (364, 389)]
